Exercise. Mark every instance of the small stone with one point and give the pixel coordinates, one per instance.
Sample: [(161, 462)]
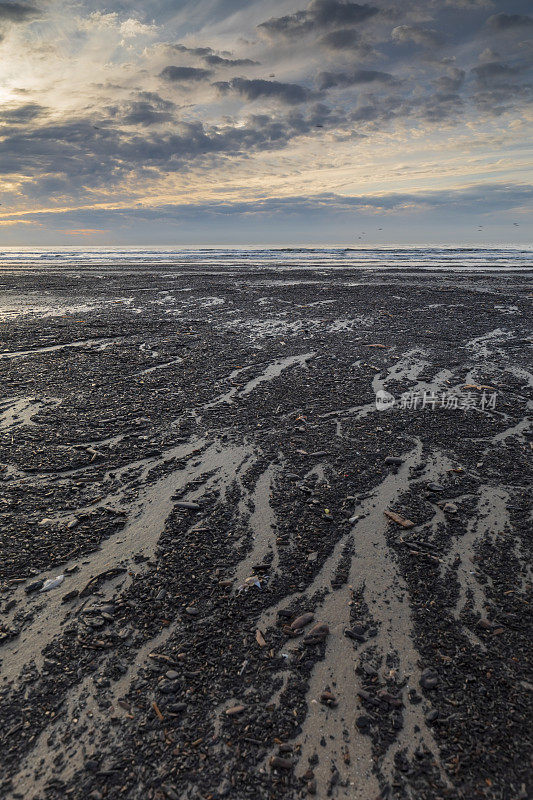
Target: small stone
[(317, 634), (34, 587), (363, 722), (172, 674), (70, 596), (167, 687), (301, 621), (234, 711), (429, 679), (327, 698), (176, 708), (285, 613), (393, 461), (189, 506), (277, 762), (432, 716), (356, 633), (450, 508), (191, 611), (311, 786)]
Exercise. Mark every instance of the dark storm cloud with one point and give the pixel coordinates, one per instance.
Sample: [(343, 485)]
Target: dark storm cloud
[(330, 80), (173, 73), (503, 22), (290, 93), (318, 14), (17, 12)]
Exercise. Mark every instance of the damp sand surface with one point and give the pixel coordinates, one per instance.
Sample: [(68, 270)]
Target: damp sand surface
[(197, 455)]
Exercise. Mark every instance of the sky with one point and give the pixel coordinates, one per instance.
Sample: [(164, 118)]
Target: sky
[(237, 122)]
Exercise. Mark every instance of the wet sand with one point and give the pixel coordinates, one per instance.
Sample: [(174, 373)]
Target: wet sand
[(200, 457)]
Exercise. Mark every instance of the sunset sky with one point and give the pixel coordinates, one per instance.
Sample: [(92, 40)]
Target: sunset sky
[(239, 122)]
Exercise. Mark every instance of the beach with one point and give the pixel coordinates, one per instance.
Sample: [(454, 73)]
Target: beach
[(265, 530)]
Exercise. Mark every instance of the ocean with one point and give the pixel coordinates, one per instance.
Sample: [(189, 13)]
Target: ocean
[(465, 259)]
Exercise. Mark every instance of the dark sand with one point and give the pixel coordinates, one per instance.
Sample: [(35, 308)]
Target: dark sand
[(252, 394)]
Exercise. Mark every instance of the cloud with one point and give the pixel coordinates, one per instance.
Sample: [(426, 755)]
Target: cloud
[(427, 37), (340, 39), (173, 73), (451, 82), (330, 80), (483, 198), (212, 58), (21, 115), (319, 14), (17, 12), (148, 109), (494, 71), (504, 22), (290, 93), (219, 61), (85, 119)]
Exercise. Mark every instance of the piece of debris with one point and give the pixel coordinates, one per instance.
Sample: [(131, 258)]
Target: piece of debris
[(405, 523), (52, 583)]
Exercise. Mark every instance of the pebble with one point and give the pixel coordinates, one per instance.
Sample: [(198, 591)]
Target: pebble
[(394, 461), (167, 687), (234, 711), (34, 587), (277, 762), (429, 679), (317, 634), (357, 633), (451, 508), (327, 698), (191, 611), (363, 722), (190, 506), (177, 708), (301, 621)]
